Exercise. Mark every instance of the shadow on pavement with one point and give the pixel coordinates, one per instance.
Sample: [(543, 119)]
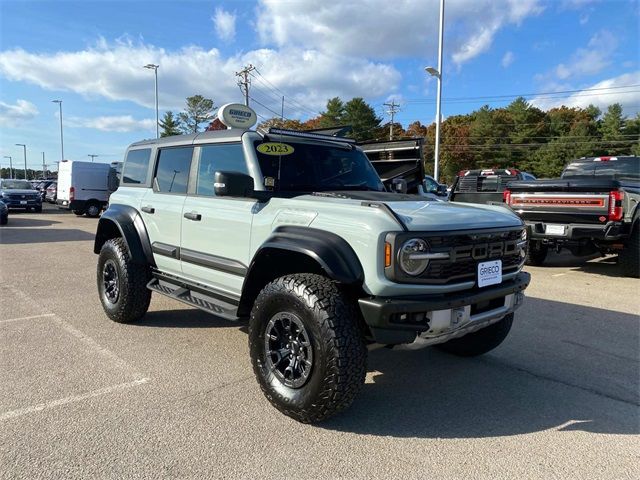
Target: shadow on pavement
[(595, 264), (15, 236), (28, 221), (535, 381)]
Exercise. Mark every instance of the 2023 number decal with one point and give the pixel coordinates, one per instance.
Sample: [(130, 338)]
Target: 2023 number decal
[(273, 148)]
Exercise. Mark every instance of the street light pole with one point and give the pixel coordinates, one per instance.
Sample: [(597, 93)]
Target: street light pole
[(44, 175), (59, 102), (24, 147), (92, 156), (154, 67), (438, 74), (10, 166)]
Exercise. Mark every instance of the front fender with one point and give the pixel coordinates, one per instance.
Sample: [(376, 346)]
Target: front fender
[(126, 222)]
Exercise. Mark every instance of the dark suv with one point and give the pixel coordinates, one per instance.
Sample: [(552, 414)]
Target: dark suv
[(20, 194)]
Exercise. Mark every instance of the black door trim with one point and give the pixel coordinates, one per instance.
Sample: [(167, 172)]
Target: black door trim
[(166, 250), (212, 261)]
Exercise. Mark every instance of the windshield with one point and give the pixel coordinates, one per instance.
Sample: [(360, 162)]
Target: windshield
[(16, 185), (315, 167), (622, 168)]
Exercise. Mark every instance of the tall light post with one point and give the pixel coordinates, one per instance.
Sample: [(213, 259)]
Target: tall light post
[(59, 102), (92, 156), (10, 166), (44, 167), (24, 147), (438, 74), (154, 67)]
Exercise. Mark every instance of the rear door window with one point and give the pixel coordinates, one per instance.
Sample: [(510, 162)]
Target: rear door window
[(136, 166), (172, 170)]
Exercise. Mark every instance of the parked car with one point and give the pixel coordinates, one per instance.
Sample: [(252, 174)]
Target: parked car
[(42, 188), (4, 213), (296, 232), (52, 193), (484, 186), (592, 208), (19, 194)]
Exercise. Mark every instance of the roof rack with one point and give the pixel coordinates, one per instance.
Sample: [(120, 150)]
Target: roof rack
[(303, 134)]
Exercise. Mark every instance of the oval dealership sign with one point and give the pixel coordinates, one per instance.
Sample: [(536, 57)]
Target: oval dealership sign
[(236, 115)]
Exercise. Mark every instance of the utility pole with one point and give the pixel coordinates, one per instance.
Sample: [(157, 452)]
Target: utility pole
[(59, 102), (393, 109), (92, 156), (44, 167), (245, 82)]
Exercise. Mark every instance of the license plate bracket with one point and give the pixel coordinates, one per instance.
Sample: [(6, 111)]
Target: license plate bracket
[(489, 273), (553, 229)]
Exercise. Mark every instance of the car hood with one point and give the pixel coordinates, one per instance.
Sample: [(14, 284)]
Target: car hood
[(452, 216), (420, 214), (18, 191)]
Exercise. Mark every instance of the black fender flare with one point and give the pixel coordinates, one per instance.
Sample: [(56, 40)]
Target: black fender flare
[(332, 252), (129, 223)]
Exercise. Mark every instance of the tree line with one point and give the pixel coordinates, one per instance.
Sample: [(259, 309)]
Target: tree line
[(519, 135)]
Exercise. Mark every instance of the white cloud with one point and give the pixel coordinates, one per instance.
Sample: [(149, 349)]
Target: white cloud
[(22, 111), (628, 97), (114, 71), (225, 24), (114, 123), (508, 59), (390, 29), (591, 60)]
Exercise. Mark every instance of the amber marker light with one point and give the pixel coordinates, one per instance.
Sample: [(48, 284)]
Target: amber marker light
[(387, 254)]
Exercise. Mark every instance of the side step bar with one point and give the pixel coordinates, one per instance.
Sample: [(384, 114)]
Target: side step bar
[(196, 295)]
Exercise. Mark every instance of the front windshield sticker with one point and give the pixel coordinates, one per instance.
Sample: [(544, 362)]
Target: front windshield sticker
[(273, 148)]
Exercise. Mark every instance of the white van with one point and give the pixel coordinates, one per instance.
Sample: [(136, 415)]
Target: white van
[(84, 187)]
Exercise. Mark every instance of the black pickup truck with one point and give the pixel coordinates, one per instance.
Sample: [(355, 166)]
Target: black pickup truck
[(484, 186), (592, 208)]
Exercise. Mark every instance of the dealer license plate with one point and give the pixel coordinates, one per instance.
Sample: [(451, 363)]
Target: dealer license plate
[(489, 273), (23, 202), (554, 229)]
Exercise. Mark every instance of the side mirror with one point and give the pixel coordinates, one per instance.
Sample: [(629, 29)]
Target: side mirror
[(441, 190), (232, 184), (399, 185)]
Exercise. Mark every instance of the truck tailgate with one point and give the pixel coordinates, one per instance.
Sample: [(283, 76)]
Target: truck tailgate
[(580, 201)]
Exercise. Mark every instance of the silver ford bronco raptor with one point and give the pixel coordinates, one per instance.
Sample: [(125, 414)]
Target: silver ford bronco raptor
[(296, 232)]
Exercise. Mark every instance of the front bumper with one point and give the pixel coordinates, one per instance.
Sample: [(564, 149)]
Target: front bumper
[(576, 232), (430, 319), (20, 203)]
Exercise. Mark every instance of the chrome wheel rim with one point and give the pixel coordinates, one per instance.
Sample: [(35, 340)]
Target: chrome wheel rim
[(110, 281), (288, 350)]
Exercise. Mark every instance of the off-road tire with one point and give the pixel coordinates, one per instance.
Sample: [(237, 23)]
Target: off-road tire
[(133, 296), (536, 253), (93, 210), (331, 319), (480, 342), (629, 257)]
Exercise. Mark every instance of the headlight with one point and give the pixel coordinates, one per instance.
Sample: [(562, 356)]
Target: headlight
[(413, 257)]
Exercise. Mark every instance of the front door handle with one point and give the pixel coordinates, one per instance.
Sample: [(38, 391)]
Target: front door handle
[(196, 217), (149, 210)]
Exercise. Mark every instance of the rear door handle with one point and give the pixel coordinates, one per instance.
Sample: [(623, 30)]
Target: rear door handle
[(196, 217), (149, 210)]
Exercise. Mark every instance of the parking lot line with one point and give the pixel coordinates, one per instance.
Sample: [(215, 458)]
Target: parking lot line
[(74, 398), (32, 317)]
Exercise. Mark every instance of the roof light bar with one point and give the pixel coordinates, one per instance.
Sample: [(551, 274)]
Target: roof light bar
[(317, 136)]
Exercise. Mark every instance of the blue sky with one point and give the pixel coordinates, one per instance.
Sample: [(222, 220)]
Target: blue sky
[(90, 54)]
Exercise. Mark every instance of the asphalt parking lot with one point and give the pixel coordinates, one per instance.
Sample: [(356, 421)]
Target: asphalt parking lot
[(174, 395)]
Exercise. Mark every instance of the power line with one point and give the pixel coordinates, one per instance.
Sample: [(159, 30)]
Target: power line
[(277, 114), (244, 83), (290, 98)]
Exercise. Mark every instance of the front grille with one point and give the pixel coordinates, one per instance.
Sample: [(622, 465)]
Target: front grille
[(465, 251), (21, 196)]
